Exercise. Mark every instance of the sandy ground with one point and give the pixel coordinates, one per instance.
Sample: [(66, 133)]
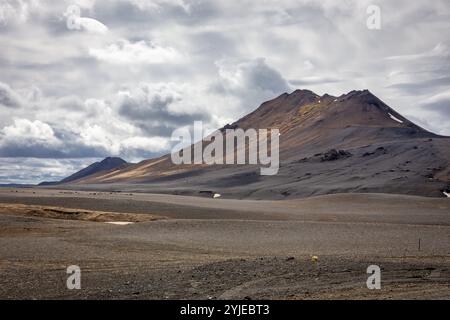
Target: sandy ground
[(186, 247)]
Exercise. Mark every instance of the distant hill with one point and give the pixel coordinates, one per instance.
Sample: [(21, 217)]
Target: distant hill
[(105, 165), (48, 183)]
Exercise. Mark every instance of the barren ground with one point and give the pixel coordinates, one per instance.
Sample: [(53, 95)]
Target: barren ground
[(186, 247)]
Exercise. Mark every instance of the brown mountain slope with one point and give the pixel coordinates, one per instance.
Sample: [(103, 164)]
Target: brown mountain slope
[(351, 143)]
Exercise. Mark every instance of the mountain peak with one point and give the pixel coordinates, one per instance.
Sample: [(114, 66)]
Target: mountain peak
[(303, 92), (115, 160), (301, 97), (106, 164), (361, 95)]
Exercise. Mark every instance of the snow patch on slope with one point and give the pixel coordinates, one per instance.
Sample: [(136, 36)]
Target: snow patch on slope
[(395, 119), (120, 223)]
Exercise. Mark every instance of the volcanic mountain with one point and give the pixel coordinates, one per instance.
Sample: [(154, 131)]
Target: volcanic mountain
[(351, 143)]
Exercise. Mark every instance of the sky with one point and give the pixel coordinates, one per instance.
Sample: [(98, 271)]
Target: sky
[(81, 80)]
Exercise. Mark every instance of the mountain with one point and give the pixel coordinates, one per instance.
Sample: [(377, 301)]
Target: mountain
[(105, 165), (350, 143)]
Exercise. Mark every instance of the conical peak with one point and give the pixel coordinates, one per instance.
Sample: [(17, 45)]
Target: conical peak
[(301, 97)]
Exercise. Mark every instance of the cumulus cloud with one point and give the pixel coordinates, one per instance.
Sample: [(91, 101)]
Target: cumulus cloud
[(28, 138), (140, 52), (36, 139), (134, 123), (31, 132)]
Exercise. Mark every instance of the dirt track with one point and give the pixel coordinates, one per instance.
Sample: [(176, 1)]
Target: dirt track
[(242, 249)]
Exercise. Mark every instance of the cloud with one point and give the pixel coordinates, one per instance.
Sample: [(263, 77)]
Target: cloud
[(439, 103), (313, 80), (30, 131), (137, 147), (422, 73), (84, 4), (251, 81), (140, 52), (27, 138), (36, 139), (158, 4), (16, 11), (420, 87), (8, 97), (156, 107), (440, 50), (135, 123), (238, 76)]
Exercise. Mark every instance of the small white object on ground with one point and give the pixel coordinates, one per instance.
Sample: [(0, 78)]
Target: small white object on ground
[(447, 194), (217, 195), (395, 119), (120, 223)]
